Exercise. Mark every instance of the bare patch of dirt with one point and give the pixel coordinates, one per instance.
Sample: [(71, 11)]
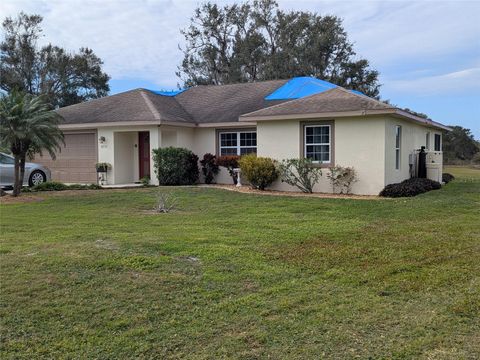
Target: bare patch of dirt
[(9, 199)]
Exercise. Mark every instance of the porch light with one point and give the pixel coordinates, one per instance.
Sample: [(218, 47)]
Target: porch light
[(102, 139)]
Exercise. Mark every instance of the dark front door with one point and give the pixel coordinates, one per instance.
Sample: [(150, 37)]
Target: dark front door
[(144, 153)]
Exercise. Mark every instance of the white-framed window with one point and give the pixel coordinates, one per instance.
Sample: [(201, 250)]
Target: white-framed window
[(427, 141), (317, 140), (398, 146), (237, 142), (438, 142)]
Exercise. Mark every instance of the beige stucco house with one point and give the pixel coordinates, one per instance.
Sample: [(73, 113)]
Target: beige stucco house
[(303, 117)]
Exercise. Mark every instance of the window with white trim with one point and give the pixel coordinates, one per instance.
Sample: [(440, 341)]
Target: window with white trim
[(317, 142), (398, 145), (237, 143), (427, 141)]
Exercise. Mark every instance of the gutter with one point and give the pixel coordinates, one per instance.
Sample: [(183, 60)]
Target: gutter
[(338, 114)]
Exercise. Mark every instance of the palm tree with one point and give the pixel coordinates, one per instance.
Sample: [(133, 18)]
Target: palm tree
[(28, 126)]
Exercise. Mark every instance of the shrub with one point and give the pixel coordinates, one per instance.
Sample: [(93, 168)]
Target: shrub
[(175, 166), (84, 187), (58, 186), (229, 162), (300, 173), (210, 167), (342, 178), (410, 187), (50, 186), (259, 171), (446, 177)]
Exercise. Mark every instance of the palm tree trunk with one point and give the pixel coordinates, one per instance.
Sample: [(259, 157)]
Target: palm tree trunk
[(19, 173), (16, 183)]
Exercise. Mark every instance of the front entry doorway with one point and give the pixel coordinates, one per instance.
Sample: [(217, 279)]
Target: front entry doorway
[(144, 154)]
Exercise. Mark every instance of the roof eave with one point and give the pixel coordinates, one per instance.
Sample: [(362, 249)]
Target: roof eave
[(426, 122), (332, 114), (337, 114)]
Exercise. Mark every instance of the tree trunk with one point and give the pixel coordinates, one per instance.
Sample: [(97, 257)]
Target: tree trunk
[(19, 173), (16, 183)]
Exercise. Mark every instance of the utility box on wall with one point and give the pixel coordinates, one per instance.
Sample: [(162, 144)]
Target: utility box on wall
[(434, 165)]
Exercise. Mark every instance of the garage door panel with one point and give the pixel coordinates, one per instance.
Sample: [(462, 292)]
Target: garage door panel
[(75, 163)]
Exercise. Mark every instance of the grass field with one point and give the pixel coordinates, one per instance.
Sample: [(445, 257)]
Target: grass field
[(227, 275)]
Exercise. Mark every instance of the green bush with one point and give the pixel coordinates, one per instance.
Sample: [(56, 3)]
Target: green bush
[(175, 166), (50, 186), (210, 167), (300, 173), (58, 186), (259, 171), (446, 177), (410, 187)]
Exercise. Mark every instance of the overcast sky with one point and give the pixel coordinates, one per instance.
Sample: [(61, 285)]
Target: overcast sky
[(427, 52)]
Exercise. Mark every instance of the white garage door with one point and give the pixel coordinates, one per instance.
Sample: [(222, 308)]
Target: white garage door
[(76, 162)]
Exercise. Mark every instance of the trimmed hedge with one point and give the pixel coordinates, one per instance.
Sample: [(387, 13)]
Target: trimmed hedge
[(446, 177), (410, 187), (175, 166), (259, 171)]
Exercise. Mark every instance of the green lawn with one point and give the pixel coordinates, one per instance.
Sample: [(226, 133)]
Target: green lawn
[(242, 276)]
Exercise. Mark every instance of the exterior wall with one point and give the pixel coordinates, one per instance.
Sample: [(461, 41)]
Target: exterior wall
[(366, 143), (115, 153), (205, 141), (357, 142), (412, 138)]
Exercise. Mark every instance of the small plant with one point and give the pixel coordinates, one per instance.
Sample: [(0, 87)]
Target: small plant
[(342, 178), (175, 166), (145, 181), (210, 167), (446, 178), (259, 171), (102, 166), (231, 163), (300, 173), (410, 187), (165, 203)]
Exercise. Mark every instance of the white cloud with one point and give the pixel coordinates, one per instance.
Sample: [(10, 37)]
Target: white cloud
[(139, 39), (453, 82)]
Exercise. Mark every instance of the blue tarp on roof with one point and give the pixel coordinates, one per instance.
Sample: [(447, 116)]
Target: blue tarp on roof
[(300, 87), (167, 92)]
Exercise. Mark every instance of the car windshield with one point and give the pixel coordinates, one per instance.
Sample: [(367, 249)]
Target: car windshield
[(6, 160)]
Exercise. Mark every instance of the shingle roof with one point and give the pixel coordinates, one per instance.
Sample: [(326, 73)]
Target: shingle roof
[(133, 105), (225, 103), (334, 100), (221, 104)]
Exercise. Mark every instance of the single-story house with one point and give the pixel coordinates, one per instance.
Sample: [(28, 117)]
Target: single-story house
[(281, 119)]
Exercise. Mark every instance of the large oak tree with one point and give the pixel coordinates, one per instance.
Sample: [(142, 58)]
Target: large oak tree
[(62, 77), (258, 41)]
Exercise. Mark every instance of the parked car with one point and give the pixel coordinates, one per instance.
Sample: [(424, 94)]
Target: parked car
[(34, 173)]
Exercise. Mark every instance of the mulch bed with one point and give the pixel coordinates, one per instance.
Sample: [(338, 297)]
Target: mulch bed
[(248, 190)]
